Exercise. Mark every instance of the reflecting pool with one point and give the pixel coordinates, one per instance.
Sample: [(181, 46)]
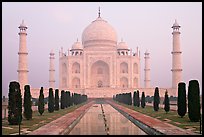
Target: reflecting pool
[(103, 119)]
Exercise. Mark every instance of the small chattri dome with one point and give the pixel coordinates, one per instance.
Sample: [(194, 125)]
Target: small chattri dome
[(122, 45), (77, 45)]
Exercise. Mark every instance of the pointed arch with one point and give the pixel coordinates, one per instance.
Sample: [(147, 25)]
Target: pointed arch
[(135, 68), (124, 67), (76, 68)]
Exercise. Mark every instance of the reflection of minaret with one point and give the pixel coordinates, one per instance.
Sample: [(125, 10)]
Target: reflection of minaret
[(147, 71), (52, 71), (176, 56), (22, 62)]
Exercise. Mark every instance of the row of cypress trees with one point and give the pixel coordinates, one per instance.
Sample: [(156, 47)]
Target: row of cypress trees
[(137, 101), (126, 98), (193, 100), (15, 102), (66, 100)]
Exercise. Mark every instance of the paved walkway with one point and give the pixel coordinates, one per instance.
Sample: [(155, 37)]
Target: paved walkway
[(154, 123), (58, 126)]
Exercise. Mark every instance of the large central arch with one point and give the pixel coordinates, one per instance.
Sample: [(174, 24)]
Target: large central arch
[(100, 74)]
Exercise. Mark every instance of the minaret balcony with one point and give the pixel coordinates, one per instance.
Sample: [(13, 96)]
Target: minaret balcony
[(176, 69), (147, 69), (176, 52), (23, 53), (22, 70)]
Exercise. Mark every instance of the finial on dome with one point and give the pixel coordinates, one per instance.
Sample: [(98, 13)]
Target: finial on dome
[(77, 39), (121, 39), (99, 12)]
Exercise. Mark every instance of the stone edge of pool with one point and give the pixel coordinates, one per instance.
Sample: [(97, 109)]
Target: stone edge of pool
[(149, 125), (63, 124)]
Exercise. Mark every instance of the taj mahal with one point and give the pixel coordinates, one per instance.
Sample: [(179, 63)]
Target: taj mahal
[(100, 65)]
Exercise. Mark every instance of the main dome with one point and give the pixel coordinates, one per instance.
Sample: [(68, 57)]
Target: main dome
[(99, 31)]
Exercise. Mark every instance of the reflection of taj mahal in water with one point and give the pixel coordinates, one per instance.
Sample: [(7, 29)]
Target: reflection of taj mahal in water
[(100, 66)]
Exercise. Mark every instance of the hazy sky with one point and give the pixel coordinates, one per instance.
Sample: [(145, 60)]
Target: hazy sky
[(146, 25)]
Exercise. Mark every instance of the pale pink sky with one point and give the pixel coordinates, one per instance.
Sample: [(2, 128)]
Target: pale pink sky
[(146, 25)]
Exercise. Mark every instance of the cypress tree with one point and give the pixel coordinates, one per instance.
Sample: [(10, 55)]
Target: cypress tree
[(156, 99), (56, 99), (69, 99), (134, 98), (166, 102), (130, 98), (62, 99), (143, 100), (138, 98), (181, 102), (50, 101), (66, 99), (41, 104), (27, 103), (194, 101), (14, 104), (74, 98)]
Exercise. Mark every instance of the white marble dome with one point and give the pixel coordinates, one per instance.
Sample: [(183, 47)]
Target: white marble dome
[(77, 45), (99, 30)]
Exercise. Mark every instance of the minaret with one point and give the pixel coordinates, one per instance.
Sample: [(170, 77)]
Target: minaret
[(176, 56), (52, 71), (22, 62), (147, 70)]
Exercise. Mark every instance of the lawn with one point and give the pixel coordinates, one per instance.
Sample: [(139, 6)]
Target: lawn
[(171, 117), (36, 121)]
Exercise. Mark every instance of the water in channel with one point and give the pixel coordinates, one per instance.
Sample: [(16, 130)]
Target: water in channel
[(103, 119)]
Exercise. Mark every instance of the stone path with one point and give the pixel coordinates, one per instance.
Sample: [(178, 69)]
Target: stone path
[(154, 123), (63, 123)]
